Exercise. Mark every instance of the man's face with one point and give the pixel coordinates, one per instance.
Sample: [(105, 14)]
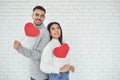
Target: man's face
[(38, 17)]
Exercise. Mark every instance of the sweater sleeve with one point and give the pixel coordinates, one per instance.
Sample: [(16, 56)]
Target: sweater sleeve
[(69, 56), (46, 62), (35, 53)]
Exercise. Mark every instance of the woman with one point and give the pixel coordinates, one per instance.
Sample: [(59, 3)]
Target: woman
[(52, 62)]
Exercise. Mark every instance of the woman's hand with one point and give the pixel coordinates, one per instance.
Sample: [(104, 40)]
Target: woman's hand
[(65, 68)]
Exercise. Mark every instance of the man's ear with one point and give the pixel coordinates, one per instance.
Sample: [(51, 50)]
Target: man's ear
[(44, 17), (32, 15)]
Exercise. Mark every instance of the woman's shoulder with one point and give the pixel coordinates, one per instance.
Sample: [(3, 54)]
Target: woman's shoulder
[(52, 44), (49, 44)]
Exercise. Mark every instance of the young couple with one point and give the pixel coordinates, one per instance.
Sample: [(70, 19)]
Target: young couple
[(44, 60)]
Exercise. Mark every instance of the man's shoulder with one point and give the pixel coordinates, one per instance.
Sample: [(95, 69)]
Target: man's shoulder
[(45, 31)]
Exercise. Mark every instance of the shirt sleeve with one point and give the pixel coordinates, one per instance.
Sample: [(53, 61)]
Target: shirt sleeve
[(46, 62), (35, 53)]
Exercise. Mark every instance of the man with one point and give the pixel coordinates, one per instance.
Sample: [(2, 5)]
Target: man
[(40, 42)]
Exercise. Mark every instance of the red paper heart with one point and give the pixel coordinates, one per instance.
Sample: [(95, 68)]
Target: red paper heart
[(61, 51), (31, 30)]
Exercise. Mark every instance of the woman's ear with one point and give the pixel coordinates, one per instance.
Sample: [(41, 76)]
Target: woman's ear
[(50, 35)]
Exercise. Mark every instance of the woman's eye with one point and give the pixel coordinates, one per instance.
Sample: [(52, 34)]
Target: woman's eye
[(53, 28), (58, 27)]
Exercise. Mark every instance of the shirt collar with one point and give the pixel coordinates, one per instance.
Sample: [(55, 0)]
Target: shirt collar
[(41, 26)]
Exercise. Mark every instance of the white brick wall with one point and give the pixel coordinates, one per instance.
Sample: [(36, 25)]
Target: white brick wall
[(92, 27)]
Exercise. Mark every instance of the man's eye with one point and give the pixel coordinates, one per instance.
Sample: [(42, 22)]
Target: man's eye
[(42, 15), (36, 14)]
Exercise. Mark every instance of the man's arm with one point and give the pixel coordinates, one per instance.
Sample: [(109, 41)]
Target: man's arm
[(35, 53)]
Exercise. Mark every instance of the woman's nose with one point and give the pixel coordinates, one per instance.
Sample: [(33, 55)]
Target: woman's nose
[(56, 29)]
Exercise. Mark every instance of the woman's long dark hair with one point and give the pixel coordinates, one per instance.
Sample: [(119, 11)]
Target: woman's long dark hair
[(49, 26)]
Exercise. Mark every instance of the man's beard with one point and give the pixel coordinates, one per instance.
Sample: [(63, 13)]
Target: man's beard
[(37, 24)]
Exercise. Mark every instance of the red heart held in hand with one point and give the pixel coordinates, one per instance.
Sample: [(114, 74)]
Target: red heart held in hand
[(31, 30), (61, 51)]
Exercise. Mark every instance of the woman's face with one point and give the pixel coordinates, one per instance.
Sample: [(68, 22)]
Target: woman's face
[(55, 31)]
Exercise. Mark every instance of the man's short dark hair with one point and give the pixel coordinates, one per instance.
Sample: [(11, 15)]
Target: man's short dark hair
[(39, 7)]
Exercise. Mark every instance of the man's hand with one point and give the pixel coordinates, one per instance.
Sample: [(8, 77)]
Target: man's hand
[(72, 69), (17, 45)]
